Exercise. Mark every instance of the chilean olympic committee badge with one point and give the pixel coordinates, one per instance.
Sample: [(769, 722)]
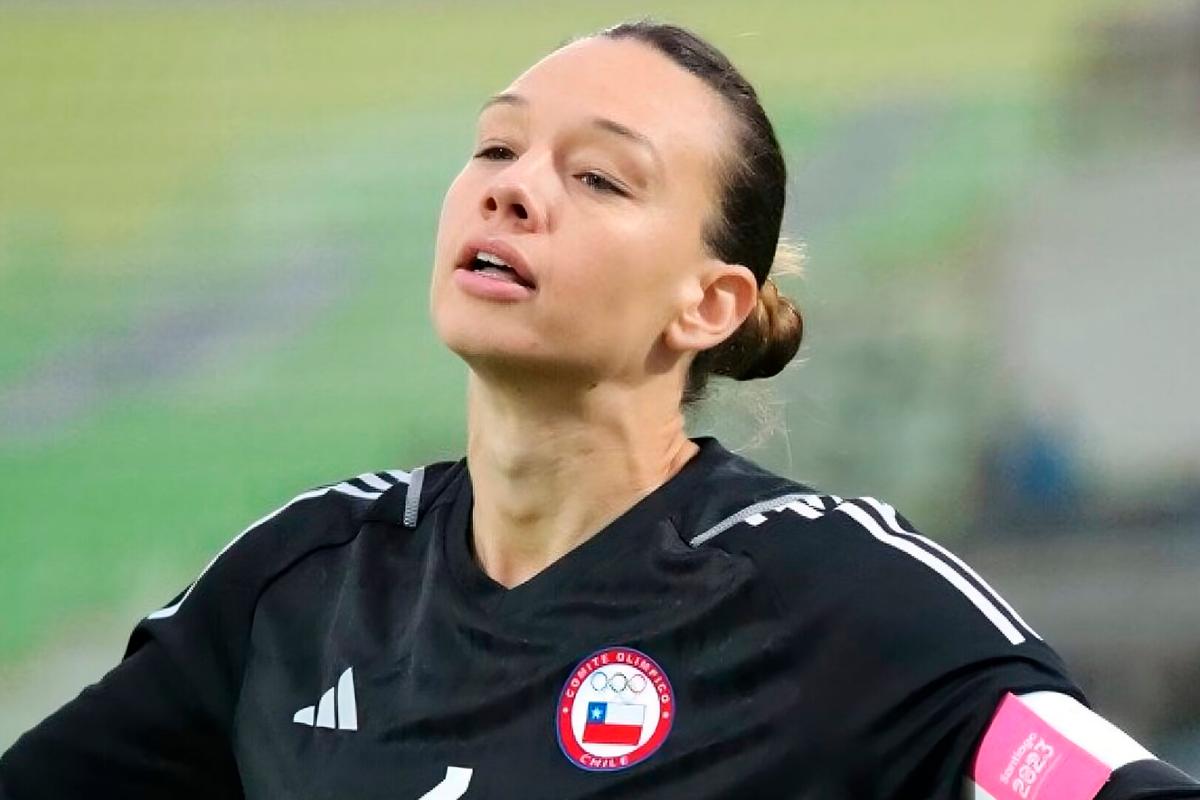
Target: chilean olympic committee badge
[(615, 710)]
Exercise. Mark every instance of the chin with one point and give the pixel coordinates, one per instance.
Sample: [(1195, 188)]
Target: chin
[(475, 338), (514, 358), (503, 344)]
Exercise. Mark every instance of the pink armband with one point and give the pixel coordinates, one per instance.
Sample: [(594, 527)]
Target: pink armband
[(1048, 746)]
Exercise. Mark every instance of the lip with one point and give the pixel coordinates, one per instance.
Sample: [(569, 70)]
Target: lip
[(498, 247), (486, 288)]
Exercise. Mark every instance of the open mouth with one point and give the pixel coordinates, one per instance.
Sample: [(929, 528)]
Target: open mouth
[(495, 268)]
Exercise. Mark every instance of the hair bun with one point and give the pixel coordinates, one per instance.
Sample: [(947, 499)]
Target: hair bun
[(771, 335)]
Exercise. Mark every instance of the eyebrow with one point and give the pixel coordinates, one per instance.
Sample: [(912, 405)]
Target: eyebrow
[(602, 123), (504, 99)]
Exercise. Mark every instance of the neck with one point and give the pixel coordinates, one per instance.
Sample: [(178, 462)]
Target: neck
[(551, 466)]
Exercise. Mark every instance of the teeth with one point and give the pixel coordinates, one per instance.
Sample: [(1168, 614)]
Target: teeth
[(492, 259)]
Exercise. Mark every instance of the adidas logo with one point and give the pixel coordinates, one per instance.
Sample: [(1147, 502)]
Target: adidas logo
[(342, 697)]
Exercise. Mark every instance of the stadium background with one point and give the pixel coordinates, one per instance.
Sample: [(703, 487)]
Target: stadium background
[(216, 224)]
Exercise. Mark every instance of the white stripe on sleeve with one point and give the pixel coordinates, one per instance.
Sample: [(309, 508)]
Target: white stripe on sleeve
[(889, 516), (956, 580), (374, 481), (345, 488)]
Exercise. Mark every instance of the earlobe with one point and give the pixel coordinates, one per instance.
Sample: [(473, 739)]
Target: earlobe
[(723, 298)]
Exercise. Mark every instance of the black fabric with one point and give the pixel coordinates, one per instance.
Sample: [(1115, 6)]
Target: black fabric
[(808, 656), (1147, 779)]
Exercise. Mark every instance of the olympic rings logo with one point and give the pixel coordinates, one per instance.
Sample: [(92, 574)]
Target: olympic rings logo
[(618, 682)]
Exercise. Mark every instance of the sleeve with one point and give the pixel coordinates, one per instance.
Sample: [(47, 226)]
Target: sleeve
[(919, 651), (1146, 780), (158, 725), (1052, 747)]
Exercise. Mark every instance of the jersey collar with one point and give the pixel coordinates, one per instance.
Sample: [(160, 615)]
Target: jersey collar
[(629, 530), (391, 505)]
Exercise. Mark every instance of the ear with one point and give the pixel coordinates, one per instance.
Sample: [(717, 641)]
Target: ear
[(718, 303)]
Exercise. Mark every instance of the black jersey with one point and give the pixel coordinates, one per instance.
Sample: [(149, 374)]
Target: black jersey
[(732, 635)]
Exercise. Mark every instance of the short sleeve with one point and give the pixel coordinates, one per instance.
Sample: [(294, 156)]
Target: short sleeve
[(158, 725), (906, 651), (950, 647)]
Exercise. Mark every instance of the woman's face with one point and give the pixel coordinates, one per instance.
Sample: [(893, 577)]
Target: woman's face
[(592, 175)]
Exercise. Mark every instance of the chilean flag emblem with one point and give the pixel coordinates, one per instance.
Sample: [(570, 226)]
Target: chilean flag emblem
[(615, 710), (614, 723)]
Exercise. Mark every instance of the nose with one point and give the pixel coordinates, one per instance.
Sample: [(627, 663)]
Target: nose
[(512, 198)]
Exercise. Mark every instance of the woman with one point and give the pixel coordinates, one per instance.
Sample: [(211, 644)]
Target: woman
[(591, 603)]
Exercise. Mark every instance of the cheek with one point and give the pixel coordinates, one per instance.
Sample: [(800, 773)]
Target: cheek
[(449, 219), (623, 286), (640, 268)]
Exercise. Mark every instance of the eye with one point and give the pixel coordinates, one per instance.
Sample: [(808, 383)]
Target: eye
[(495, 152), (598, 182)]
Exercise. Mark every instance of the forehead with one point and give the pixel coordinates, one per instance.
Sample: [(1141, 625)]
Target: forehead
[(633, 84)]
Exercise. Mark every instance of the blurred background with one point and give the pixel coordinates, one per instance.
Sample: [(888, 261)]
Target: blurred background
[(216, 227)]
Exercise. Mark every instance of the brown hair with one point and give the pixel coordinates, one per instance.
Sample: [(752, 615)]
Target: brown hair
[(745, 230)]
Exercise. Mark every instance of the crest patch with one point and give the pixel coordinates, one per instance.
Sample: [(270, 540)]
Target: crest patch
[(615, 710)]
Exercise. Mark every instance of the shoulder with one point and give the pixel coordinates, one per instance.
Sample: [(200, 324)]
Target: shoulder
[(869, 571), (863, 554), (905, 640), (317, 518)]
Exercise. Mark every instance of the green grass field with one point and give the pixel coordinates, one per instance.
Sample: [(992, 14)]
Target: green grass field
[(152, 153)]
